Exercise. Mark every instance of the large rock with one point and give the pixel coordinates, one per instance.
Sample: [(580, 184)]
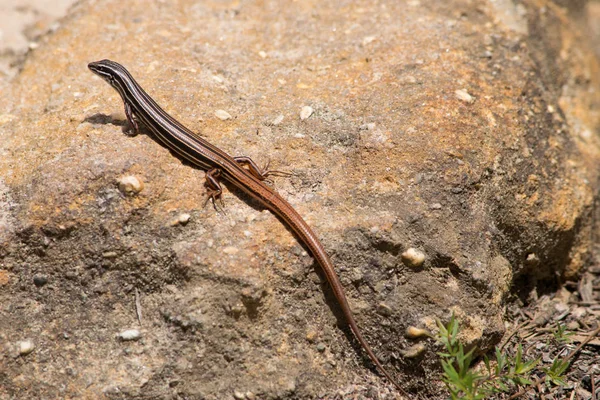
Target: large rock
[(464, 130)]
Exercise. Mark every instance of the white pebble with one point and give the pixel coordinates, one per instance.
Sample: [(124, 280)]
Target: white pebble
[(463, 95), (532, 259), (306, 112), (222, 115), (184, 218), (130, 185), (231, 250), (277, 120), (25, 347), (239, 395), (413, 257), (181, 219), (367, 127), (4, 118), (368, 39), (130, 334)]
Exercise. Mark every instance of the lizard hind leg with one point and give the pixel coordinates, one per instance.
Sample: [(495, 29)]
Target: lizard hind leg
[(256, 171), (213, 188)]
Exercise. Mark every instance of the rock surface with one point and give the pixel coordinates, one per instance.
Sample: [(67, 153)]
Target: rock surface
[(464, 131)]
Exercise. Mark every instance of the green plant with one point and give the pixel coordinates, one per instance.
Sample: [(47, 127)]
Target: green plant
[(555, 373), (502, 376), (561, 335)]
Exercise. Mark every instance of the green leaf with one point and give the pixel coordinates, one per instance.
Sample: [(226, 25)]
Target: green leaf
[(450, 371), (555, 372), (486, 361), (561, 334), (518, 356), (500, 360), (529, 365), (522, 381)]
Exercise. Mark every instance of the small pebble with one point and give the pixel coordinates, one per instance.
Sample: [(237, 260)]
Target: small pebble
[(277, 120), (414, 351), (367, 127), (579, 312), (290, 386), (239, 395), (412, 332), (408, 79), (413, 258), (40, 280), (250, 395), (306, 112), (222, 115), (384, 309), (25, 347), (532, 259), (311, 336), (184, 218), (181, 219), (436, 206), (231, 250), (262, 54), (130, 334), (585, 133), (71, 275), (111, 390), (463, 95), (321, 347), (4, 118), (368, 39), (130, 185)]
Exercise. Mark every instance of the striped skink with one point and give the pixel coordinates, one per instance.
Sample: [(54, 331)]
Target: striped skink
[(239, 171)]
